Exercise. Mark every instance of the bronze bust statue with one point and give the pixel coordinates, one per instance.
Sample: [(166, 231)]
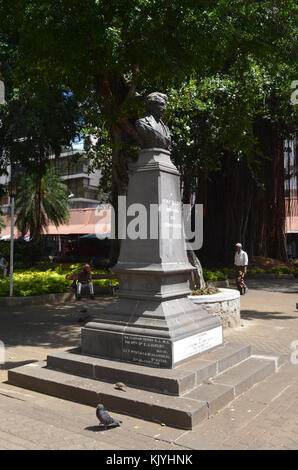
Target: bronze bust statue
[(152, 132)]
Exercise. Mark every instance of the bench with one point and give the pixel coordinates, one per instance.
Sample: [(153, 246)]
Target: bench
[(74, 277)]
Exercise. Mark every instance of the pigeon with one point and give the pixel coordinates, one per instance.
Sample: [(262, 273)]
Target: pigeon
[(120, 386), (84, 310), (105, 418), (83, 318)]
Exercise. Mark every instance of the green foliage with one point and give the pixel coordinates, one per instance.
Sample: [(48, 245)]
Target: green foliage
[(211, 117), (106, 282), (281, 270), (35, 283), (142, 45), (216, 275), (257, 271), (208, 290), (41, 200), (213, 275), (20, 249)]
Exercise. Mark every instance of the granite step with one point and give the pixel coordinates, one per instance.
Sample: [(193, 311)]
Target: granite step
[(227, 386), (168, 381), (178, 411), (173, 411), (243, 376)]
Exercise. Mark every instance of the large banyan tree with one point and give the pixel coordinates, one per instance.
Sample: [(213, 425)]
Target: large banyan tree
[(106, 51), (231, 135)]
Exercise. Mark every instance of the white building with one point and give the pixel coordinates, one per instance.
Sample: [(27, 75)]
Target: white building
[(72, 166)]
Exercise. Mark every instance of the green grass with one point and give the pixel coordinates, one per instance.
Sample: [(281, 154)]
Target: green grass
[(213, 275)]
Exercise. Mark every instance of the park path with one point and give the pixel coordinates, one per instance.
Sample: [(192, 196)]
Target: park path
[(266, 417)]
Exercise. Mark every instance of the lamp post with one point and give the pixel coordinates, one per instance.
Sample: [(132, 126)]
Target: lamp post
[(12, 195)]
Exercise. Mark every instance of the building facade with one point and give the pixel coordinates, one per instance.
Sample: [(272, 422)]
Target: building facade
[(291, 195)]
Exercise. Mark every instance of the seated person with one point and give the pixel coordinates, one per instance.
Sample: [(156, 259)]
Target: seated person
[(3, 265), (84, 279)]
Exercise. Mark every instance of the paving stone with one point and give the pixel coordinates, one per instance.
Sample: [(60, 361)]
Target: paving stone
[(270, 325), (216, 396), (246, 374)]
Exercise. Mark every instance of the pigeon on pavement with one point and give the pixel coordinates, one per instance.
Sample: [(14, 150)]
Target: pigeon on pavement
[(105, 418), (83, 318), (120, 386)]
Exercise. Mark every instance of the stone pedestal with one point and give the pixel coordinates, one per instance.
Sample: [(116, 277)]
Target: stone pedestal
[(225, 305), (153, 322)]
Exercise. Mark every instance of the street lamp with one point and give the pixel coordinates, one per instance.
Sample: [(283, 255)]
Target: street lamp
[(12, 195)]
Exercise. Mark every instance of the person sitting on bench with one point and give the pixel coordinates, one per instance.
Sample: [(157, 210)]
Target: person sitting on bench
[(84, 279)]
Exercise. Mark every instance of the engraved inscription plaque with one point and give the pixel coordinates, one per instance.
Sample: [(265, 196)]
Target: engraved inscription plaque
[(147, 351), (196, 344)]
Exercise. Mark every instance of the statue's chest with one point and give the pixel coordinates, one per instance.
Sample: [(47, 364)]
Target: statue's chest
[(160, 128)]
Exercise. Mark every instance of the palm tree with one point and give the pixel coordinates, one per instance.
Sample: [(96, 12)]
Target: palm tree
[(41, 200)]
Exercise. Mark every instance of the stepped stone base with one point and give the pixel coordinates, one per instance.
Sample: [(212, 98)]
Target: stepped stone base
[(181, 397)]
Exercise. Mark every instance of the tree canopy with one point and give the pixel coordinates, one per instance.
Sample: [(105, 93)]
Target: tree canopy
[(225, 63)]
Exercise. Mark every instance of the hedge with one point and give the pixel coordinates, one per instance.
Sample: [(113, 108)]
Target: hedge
[(34, 282)]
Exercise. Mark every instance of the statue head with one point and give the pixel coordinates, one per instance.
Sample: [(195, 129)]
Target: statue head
[(156, 103)]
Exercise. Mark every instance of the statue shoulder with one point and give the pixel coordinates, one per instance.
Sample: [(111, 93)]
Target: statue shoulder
[(144, 123)]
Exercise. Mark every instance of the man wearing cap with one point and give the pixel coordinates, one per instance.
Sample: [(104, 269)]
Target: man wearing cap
[(84, 279), (240, 262)]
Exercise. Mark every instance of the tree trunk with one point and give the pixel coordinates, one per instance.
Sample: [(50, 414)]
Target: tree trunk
[(240, 208), (116, 94), (119, 187), (197, 278)]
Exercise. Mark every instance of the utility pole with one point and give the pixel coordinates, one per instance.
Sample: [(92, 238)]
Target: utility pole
[(12, 194), (11, 244)]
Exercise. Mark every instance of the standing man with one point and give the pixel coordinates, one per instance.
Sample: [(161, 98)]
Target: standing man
[(84, 279), (3, 265), (240, 262)]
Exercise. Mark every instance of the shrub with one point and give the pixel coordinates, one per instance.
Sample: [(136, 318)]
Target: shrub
[(208, 290), (35, 283), (106, 282), (214, 275), (281, 270)]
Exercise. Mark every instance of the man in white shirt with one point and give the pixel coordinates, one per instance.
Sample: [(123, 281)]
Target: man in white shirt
[(3, 265), (240, 262)]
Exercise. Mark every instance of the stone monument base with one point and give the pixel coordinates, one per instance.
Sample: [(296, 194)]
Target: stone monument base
[(159, 334), (181, 397)]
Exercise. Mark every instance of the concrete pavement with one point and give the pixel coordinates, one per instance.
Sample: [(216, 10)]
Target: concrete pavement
[(263, 418)]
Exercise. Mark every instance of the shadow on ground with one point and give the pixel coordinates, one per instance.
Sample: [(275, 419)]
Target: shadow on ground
[(48, 326), (284, 286), (12, 364), (254, 314), (99, 428)]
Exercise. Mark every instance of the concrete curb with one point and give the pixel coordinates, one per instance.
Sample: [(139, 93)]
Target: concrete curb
[(12, 302), (224, 305), (52, 299), (223, 295), (269, 276)]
